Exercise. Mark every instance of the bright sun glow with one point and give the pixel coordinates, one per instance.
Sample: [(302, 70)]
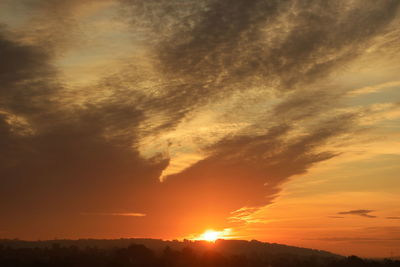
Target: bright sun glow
[(210, 235)]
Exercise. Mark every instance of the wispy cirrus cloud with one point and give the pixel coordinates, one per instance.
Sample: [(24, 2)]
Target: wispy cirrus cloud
[(375, 88)]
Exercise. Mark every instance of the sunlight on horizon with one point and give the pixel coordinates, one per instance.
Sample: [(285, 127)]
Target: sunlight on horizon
[(212, 235)]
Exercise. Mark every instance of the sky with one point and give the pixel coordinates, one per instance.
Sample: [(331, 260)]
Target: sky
[(270, 120)]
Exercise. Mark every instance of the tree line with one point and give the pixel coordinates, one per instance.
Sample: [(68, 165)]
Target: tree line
[(139, 255)]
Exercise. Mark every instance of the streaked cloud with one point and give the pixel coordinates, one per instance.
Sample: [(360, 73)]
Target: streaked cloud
[(393, 217), (362, 213), (127, 214), (336, 217), (356, 239), (374, 89)]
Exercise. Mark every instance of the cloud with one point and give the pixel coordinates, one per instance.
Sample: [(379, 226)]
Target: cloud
[(83, 149), (250, 170), (286, 42), (55, 24), (126, 214), (209, 49), (355, 239), (362, 213), (393, 217)]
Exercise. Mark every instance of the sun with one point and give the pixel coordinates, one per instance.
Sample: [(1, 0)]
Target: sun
[(210, 235)]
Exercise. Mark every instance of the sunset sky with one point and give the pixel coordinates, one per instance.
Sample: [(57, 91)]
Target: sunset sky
[(275, 120)]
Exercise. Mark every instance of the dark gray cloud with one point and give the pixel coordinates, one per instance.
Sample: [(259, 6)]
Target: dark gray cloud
[(248, 171), (64, 157), (362, 213), (211, 49), (288, 43)]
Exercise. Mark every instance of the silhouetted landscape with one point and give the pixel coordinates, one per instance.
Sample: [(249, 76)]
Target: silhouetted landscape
[(154, 252)]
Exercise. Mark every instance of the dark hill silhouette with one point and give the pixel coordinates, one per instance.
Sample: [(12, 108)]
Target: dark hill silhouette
[(159, 253), (224, 246)]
